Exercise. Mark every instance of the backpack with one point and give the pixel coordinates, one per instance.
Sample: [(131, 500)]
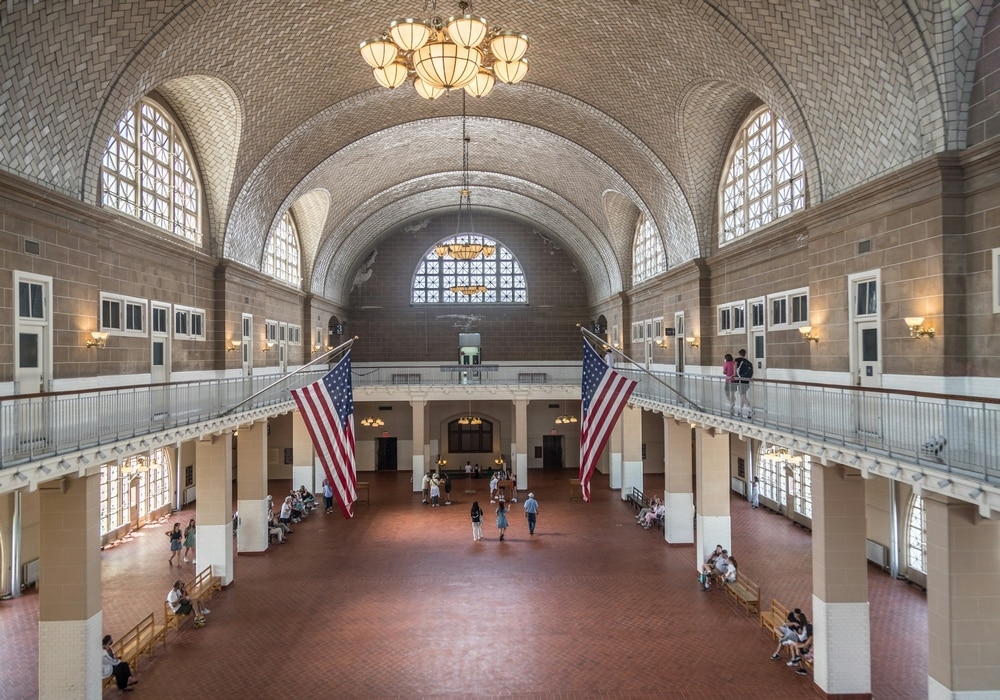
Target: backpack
[(744, 368)]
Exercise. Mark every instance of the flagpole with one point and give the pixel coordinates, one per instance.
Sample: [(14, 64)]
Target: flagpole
[(286, 377), (652, 376)]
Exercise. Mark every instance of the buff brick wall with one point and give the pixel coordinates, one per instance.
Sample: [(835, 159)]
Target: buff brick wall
[(392, 329)]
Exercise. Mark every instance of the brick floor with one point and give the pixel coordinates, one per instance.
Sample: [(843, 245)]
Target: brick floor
[(400, 602)]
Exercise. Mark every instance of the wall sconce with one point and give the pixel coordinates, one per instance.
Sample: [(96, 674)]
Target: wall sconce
[(317, 347), (807, 334), (692, 342), (662, 342), (97, 340), (268, 346), (914, 323), (234, 345)]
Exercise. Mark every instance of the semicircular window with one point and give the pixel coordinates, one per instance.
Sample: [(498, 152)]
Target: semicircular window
[(469, 269)]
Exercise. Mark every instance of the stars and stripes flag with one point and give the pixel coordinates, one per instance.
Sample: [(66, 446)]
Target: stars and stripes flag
[(604, 393), (328, 409)]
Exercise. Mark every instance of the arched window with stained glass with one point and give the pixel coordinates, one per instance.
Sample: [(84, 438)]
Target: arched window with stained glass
[(765, 179), (147, 172), (281, 256), (469, 269)]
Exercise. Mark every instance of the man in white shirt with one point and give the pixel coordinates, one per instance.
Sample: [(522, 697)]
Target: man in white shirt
[(180, 604)]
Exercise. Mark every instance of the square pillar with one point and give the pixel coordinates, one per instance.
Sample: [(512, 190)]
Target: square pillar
[(614, 450), (69, 599), (303, 471), (631, 422), (214, 507), (678, 491), (418, 407), (963, 612), (714, 525), (251, 488), (519, 445), (841, 628)]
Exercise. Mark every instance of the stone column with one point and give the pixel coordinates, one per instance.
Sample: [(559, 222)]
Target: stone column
[(841, 631), (678, 482), (418, 407), (614, 450), (519, 444), (631, 422), (714, 524), (251, 488), (69, 598), (963, 616), (214, 506), (303, 471)]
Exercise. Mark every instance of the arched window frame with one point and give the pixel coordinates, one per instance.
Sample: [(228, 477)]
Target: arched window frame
[(648, 256), (282, 259), (500, 272), (153, 492), (765, 177), (148, 172), (916, 535)]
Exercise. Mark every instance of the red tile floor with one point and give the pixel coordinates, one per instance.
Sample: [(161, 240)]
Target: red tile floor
[(400, 602)]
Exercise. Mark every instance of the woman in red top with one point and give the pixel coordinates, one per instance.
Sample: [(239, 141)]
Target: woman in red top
[(729, 369)]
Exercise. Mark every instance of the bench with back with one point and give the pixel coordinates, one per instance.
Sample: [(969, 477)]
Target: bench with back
[(201, 588), (773, 619), (744, 592), (139, 640)]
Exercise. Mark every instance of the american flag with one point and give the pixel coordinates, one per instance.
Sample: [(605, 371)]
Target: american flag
[(605, 393), (328, 409)]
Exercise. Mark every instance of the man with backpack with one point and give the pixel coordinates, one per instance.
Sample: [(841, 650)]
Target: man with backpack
[(744, 373)]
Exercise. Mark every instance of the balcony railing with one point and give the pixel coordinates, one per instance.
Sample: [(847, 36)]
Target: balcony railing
[(951, 434)]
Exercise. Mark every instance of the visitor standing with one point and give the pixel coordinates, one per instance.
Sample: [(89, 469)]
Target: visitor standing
[(477, 522), (531, 512), (176, 542), (755, 493), (502, 518), (190, 533), (729, 371), (328, 495)]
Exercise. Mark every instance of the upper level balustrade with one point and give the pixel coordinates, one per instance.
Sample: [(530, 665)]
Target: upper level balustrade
[(951, 435)]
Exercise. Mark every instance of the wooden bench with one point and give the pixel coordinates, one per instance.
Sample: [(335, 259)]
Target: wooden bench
[(363, 492), (139, 640), (774, 618), (745, 593), (636, 499), (575, 494), (200, 588)]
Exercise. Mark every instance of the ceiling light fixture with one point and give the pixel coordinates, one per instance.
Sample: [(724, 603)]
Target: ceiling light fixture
[(372, 422), (439, 54), (470, 419)]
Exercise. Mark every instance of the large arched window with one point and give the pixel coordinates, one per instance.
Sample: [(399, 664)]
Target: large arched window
[(648, 256), (786, 479), (281, 258), (146, 172), (469, 269), (766, 178), (916, 536)]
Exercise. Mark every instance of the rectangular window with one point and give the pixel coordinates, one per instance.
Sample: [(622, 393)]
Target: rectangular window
[(123, 315), (636, 332), (725, 320), (757, 313), (658, 328), (866, 298), (189, 323), (739, 318), (271, 331), (996, 280), (779, 312), (29, 300), (295, 335), (159, 320), (800, 309)]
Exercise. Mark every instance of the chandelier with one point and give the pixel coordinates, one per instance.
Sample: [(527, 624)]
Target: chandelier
[(470, 419), (466, 250), (462, 51), (371, 422), (468, 290), (565, 419)]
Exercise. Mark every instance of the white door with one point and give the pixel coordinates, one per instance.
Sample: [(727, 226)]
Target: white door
[(246, 347), (866, 352), (159, 333), (757, 353), (32, 358), (679, 341), (283, 346)]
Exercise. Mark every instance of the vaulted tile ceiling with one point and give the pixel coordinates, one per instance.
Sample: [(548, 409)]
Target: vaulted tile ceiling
[(628, 109)]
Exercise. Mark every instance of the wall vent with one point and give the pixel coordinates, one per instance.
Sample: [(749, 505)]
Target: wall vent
[(864, 247), (32, 247), (385, 408)]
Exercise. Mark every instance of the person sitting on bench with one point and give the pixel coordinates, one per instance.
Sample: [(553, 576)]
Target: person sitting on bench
[(110, 663), (181, 604)]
